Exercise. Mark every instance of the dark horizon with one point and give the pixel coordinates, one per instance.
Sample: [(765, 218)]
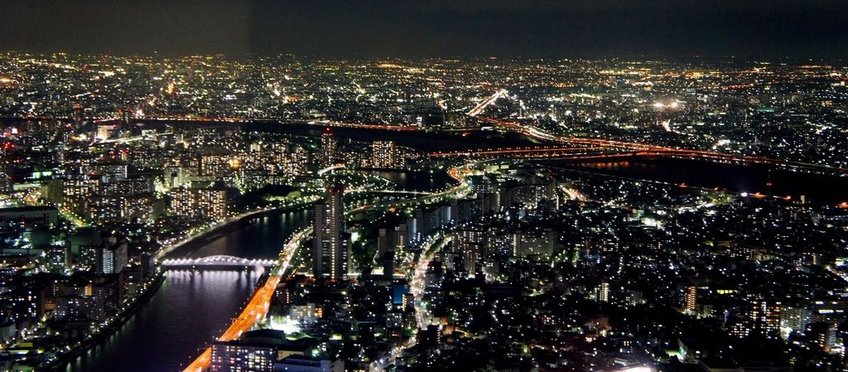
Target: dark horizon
[(369, 29)]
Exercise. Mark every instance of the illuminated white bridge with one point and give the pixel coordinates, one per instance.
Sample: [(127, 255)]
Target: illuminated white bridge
[(216, 261)]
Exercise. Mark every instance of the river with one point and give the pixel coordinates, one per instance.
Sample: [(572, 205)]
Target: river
[(193, 307), (816, 189)]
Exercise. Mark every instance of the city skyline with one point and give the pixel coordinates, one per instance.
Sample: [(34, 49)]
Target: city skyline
[(399, 215), (431, 185)]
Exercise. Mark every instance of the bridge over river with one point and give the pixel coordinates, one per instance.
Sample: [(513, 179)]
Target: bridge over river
[(216, 261)]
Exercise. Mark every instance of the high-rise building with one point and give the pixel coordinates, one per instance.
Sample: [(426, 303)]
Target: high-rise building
[(470, 244), (823, 335), (5, 182), (329, 249), (210, 202), (114, 258), (533, 243), (109, 257), (328, 148), (691, 299), (603, 292), (236, 356), (257, 350), (795, 318), (765, 316), (385, 154)]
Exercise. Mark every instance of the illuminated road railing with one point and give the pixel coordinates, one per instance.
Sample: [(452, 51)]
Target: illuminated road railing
[(330, 169), (390, 192), (534, 151)]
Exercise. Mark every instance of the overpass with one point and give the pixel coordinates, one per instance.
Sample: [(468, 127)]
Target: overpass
[(215, 261), (330, 169), (595, 150)]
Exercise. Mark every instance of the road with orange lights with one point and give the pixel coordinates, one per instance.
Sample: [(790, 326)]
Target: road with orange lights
[(254, 311), (258, 305), (260, 301)]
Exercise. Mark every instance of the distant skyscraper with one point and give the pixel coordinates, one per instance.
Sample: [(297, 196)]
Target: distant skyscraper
[(603, 292), (765, 316), (105, 258), (114, 258), (691, 299), (329, 251), (384, 154), (210, 202), (328, 148)]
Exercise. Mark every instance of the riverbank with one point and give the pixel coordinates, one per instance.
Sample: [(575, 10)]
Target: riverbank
[(731, 178), (227, 225), (190, 242), (259, 302), (84, 346)]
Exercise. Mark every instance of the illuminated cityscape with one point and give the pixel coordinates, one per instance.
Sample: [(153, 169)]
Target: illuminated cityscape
[(488, 211)]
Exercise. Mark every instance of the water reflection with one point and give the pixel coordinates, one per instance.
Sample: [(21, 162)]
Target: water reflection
[(735, 178), (189, 310), (192, 307)]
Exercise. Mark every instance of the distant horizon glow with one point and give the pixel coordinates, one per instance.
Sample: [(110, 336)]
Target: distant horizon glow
[(779, 29)]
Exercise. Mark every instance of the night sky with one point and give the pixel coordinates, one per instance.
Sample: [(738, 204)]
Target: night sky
[(444, 28)]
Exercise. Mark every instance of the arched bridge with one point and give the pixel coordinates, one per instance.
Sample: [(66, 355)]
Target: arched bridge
[(216, 261)]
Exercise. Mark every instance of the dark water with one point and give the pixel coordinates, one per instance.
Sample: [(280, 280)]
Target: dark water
[(192, 308), (423, 141), (817, 189), (418, 180), (261, 239)]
